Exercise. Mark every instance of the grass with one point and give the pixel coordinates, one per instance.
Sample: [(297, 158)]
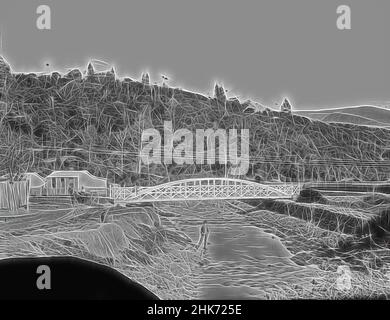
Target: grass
[(326, 216), (152, 250), (329, 236), (157, 257), (319, 248)]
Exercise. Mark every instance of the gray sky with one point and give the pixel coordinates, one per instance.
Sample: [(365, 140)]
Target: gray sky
[(258, 49)]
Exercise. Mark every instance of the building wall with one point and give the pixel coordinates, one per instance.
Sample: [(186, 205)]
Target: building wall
[(90, 184), (36, 191), (61, 185), (14, 195), (35, 181)]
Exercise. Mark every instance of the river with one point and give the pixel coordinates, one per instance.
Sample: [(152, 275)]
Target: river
[(241, 260)]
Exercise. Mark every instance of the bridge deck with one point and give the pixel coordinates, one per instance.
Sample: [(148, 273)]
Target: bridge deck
[(204, 189)]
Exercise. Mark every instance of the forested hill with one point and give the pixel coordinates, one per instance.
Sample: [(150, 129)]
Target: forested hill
[(93, 120)]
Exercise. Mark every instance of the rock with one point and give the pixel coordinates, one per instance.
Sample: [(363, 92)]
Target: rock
[(137, 216), (310, 196), (143, 217), (156, 218)]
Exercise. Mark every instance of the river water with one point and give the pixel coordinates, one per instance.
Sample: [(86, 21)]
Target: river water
[(241, 260)]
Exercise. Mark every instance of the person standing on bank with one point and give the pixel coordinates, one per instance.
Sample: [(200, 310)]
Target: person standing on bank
[(204, 235), (71, 193)]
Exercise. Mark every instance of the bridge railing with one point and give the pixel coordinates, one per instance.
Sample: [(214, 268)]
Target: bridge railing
[(203, 189)]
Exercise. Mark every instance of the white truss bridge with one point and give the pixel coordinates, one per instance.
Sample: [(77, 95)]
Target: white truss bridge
[(203, 189)]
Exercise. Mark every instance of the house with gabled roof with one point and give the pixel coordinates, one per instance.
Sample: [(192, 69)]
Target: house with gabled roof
[(36, 181), (63, 182)]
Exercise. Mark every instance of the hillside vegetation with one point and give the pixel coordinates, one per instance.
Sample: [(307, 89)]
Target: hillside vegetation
[(89, 120)]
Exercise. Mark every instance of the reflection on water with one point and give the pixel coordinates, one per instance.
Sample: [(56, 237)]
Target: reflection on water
[(241, 261), (242, 242)]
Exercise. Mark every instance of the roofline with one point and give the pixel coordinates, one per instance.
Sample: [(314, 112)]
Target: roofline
[(53, 174), (36, 174)]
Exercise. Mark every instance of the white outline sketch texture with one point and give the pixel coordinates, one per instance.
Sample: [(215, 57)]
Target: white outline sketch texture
[(305, 219)]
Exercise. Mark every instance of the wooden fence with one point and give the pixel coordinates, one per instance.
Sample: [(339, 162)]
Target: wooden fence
[(14, 195)]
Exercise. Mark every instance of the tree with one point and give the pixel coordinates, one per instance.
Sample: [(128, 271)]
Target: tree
[(286, 106), (219, 93), (13, 161)]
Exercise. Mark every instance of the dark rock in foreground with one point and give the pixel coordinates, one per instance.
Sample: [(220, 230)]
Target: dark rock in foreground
[(70, 278)]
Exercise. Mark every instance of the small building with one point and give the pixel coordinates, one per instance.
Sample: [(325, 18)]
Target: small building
[(14, 195), (37, 183), (61, 182)]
